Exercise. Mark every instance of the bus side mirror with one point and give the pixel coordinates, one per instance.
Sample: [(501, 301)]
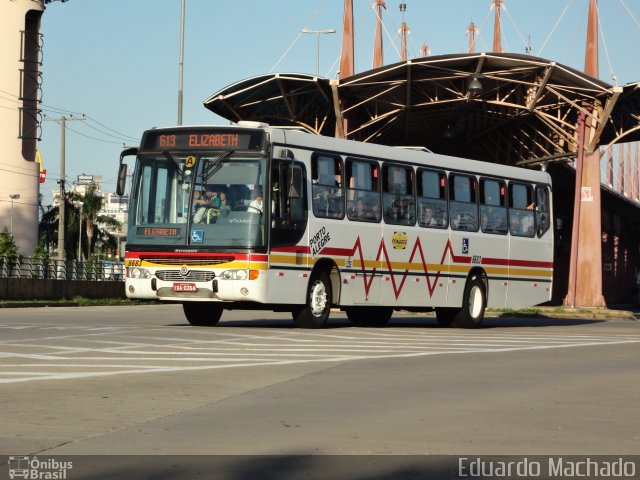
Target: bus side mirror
[(122, 179), (295, 181), (122, 169)]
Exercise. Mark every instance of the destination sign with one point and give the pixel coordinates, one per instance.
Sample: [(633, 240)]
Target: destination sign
[(202, 139), (158, 232)]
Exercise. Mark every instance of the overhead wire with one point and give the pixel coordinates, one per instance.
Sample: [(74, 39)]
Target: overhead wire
[(298, 36), (579, 28), (630, 13), (513, 23), (93, 138), (111, 129), (606, 51), (56, 110), (481, 28), (544, 44), (392, 39)]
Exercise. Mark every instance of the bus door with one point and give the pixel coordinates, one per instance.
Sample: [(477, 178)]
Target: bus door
[(288, 212)]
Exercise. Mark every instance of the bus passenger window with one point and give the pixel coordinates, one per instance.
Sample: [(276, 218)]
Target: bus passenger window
[(521, 217), (432, 199), (327, 192), (363, 195), (397, 197), (493, 211), (543, 211), (463, 206)]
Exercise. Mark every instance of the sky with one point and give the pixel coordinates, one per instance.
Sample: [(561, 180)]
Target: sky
[(116, 61)]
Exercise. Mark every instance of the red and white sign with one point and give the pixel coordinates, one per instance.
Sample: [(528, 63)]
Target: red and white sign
[(586, 194), (185, 287)]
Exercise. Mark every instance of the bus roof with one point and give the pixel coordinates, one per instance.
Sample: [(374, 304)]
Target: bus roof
[(296, 138), (354, 148)]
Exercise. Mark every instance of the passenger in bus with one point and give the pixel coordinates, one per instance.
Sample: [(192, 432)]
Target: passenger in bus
[(335, 202), (515, 224), (206, 210), (221, 200), (527, 224), (493, 220), (208, 197), (359, 212), (256, 204), (392, 213), (375, 212), (464, 219), (428, 219)]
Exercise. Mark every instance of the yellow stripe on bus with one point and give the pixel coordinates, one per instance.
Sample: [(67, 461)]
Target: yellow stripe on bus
[(413, 266)]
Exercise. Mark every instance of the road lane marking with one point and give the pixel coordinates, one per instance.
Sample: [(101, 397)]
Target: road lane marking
[(110, 350)]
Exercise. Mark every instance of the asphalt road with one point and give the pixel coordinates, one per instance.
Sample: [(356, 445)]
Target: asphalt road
[(141, 381)]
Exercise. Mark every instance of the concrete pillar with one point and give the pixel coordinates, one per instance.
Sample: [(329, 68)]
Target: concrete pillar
[(585, 269), (20, 60)]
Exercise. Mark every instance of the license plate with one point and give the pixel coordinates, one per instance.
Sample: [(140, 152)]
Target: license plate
[(185, 287)]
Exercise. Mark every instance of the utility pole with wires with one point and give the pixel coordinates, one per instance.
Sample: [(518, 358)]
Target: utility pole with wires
[(61, 203)]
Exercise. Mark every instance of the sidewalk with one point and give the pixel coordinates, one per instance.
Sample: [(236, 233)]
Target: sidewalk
[(615, 312)]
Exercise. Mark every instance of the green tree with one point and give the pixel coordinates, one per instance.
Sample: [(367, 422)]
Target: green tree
[(92, 226), (8, 248), (8, 251)]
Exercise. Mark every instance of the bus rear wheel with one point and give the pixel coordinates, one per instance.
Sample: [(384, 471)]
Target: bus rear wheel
[(315, 312), (369, 316), (474, 302), (202, 314)]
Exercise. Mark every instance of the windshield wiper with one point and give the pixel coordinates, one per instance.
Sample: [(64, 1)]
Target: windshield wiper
[(174, 161), (215, 164)]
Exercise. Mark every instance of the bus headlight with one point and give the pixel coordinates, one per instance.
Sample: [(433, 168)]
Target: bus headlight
[(137, 272), (239, 275)]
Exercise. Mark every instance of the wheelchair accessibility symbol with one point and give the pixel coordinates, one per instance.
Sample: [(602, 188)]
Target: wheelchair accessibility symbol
[(465, 245), (197, 236)]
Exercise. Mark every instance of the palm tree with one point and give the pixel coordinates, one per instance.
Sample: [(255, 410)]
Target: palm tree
[(93, 231)]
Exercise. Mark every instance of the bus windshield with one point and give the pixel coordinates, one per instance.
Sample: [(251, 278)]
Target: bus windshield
[(209, 200)]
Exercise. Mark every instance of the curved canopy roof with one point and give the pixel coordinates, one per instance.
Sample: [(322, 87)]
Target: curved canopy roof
[(525, 109), (291, 99)]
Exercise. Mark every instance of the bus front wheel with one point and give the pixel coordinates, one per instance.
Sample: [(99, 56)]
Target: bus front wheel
[(315, 312), (202, 314), (473, 304)]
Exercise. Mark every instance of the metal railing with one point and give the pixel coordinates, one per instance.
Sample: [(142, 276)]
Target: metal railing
[(25, 267)]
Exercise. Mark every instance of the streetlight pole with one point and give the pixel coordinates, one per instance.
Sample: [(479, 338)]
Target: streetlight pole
[(317, 34), (79, 205), (13, 196), (181, 63)]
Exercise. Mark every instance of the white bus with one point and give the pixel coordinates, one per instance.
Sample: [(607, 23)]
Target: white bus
[(257, 217)]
